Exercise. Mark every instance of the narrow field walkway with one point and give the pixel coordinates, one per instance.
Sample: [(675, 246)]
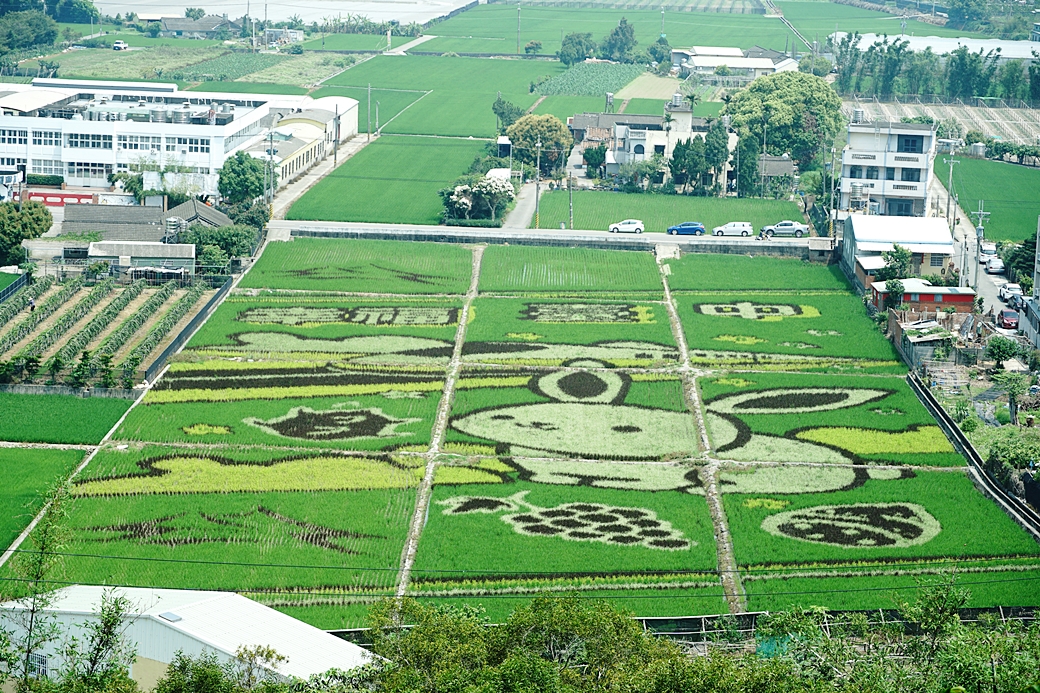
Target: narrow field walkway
[(405, 47), (523, 213), (285, 197), (440, 424)]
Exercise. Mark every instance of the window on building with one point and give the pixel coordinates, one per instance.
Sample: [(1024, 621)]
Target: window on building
[(46, 138), (84, 141), (37, 665), (658, 149), (198, 145), (936, 260), (855, 171), (912, 175), (890, 173), (47, 167), (872, 172), (140, 142), (915, 297), (11, 161), (14, 136), (80, 169), (912, 144), (638, 149), (938, 298), (900, 208)]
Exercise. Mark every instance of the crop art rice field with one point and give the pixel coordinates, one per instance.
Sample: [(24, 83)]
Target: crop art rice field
[(288, 452)]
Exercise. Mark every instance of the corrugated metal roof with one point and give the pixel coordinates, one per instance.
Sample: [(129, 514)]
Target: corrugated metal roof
[(113, 214), (938, 248), (225, 622), (141, 249), (30, 100), (193, 210), (902, 230)]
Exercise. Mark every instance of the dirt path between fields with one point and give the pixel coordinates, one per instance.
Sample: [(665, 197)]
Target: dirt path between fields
[(129, 310), (147, 327), (440, 424), (730, 578), (53, 349)]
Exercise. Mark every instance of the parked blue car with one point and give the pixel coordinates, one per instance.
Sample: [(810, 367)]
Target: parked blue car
[(687, 227)]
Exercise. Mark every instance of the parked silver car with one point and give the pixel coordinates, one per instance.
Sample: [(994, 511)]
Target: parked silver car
[(786, 228), (734, 228)]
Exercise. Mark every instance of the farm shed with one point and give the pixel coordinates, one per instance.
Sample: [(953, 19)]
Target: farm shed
[(163, 622), (195, 212), (141, 254), (921, 296), (866, 236), (209, 27), (115, 222)]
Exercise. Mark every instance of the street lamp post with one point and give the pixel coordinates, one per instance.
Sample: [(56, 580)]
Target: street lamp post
[(537, 180)]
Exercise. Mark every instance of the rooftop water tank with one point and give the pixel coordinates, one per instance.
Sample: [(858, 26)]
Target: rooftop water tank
[(858, 116)]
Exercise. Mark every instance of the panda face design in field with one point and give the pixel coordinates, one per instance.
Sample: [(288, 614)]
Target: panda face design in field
[(586, 418)]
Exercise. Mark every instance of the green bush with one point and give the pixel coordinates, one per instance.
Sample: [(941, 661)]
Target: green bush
[(480, 223), (40, 179), (1003, 416)]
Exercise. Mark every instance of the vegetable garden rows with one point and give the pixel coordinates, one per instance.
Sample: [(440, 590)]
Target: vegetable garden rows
[(301, 450)]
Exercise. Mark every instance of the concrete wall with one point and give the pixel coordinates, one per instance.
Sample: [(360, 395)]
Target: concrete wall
[(113, 393)]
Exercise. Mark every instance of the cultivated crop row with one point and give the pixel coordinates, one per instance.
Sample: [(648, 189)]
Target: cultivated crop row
[(14, 305), (129, 327), (65, 323), (160, 330), (591, 79), (42, 312), (97, 324)]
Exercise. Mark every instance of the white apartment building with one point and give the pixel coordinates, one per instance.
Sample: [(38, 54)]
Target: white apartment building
[(86, 130), (886, 168)]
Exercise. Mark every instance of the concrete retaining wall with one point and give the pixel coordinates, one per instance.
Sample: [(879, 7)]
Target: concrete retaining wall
[(112, 392), (795, 248)]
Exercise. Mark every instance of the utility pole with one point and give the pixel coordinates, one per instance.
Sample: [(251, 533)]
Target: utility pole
[(335, 143), (762, 184), (537, 180), (980, 227), (518, 28), (377, 119), (831, 216), (369, 112), (949, 191), (270, 166), (570, 196), (662, 23)]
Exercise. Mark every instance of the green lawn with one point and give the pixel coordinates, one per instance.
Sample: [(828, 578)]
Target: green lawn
[(1009, 192), (463, 90), (248, 88), (27, 473), (817, 20), (565, 106), (492, 28), (351, 42), (645, 106), (596, 209), (58, 418), (393, 180)]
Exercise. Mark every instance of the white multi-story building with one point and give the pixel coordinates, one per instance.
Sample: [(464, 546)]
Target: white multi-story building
[(886, 168), (86, 130)]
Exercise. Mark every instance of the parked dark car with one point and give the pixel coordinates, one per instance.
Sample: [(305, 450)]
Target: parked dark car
[(1016, 302), (1008, 319), (687, 227)]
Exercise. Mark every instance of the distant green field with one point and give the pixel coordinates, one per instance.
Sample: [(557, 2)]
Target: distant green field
[(391, 102), (393, 180), (595, 209), (28, 473), (6, 279), (564, 106), (645, 106), (463, 90), (1008, 190), (818, 20), (492, 28), (58, 418), (524, 269), (351, 42), (707, 272), (248, 88)]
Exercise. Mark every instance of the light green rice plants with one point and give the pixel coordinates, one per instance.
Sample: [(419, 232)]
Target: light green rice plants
[(28, 472), (66, 321), (42, 312), (129, 327), (14, 305), (97, 324), (58, 418), (706, 272)]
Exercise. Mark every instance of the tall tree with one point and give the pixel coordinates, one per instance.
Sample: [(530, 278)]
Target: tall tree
[(746, 162), (506, 112), (969, 74), (1034, 77), (846, 59), (716, 149), (575, 48), (241, 178), (619, 43), (195, 13), (528, 131), (1014, 385), (802, 112), (899, 264), (659, 51), (100, 658), (1011, 76), (922, 72)]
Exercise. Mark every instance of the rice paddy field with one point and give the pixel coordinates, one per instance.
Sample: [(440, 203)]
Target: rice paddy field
[(393, 180), (478, 425), (1009, 192), (597, 209)]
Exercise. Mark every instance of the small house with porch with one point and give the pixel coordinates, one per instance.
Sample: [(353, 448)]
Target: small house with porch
[(920, 296)]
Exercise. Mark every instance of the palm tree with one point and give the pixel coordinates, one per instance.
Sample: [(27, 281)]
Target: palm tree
[(668, 120), (694, 99)]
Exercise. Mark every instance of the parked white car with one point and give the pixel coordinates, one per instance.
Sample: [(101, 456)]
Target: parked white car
[(627, 226), (786, 228), (1009, 290), (120, 46), (734, 228), (987, 251), (995, 266)]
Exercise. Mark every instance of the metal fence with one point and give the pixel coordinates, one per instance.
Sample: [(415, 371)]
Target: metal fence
[(189, 329), (12, 288)]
